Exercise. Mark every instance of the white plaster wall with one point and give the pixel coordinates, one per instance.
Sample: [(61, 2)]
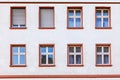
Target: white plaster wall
[(32, 37)]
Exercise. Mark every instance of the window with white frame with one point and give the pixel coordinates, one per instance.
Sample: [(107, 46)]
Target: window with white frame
[(18, 55), (102, 17), (103, 55), (46, 17), (46, 54), (74, 54), (74, 17), (18, 17)]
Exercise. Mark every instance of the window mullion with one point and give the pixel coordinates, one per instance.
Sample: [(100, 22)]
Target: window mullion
[(46, 55), (18, 55), (102, 18), (74, 55), (74, 19)]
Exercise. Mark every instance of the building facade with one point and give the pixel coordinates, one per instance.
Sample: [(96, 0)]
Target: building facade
[(59, 40)]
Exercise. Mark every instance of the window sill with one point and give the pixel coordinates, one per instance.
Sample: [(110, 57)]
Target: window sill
[(47, 28), (18, 28), (18, 65), (109, 65), (75, 28), (81, 65), (103, 27), (46, 65)]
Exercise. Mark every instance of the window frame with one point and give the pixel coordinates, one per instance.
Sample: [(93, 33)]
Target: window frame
[(75, 65), (11, 55), (110, 59), (11, 17), (46, 65), (109, 17), (81, 17), (39, 18)]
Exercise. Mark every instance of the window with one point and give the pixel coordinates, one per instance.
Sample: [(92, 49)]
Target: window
[(103, 54), (47, 55), (75, 55), (18, 55), (18, 17), (103, 18), (74, 18), (46, 18)]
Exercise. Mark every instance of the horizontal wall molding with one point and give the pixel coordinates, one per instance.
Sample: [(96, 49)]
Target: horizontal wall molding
[(30, 2), (61, 76)]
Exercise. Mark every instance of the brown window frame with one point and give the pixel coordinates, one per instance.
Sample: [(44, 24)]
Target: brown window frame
[(11, 19), (17, 45), (47, 65), (51, 27), (81, 17), (75, 65), (110, 59), (109, 17)]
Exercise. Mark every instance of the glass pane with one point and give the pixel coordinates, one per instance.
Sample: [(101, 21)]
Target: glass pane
[(99, 59), (98, 22), (43, 49), (15, 59), (106, 59), (78, 49), (14, 49), (98, 13), (50, 59), (78, 13), (78, 20), (71, 49), (22, 59), (105, 22), (78, 59), (22, 49), (105, 13), (70, 22), (99, 49), (71, 59), (43, 59), (106, 49), (50, 49), (71, 12)]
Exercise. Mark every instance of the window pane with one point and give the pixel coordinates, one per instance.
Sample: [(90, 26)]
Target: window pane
[(78, 13), (105, 22), (105, 13), (78, 49), (99, 49), (98, 22), (43, 61), (71, 12), (71, 49), (98, 13), (22, 49), (106, 49), (50, 59), (78, 20), (70, 22), (14, 49), (43, 49), (78, 59), (50, 49), (22, 59), (15, 59), (99, 59), (106, 59), (71, 59)]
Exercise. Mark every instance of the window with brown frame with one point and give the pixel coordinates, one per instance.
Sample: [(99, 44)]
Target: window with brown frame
[(18, 17), (46, 18), (75, 19), (47, 55), (103, 18), (103, 54), (18, 55), (75, 55)]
